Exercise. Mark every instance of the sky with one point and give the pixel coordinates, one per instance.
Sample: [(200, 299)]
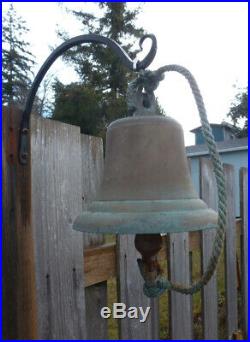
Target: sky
[(208, 38)]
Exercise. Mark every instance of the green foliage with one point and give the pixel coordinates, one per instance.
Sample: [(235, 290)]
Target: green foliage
[(96, 64), (239, 113), (101, 72), (17, 61), (79, 105)]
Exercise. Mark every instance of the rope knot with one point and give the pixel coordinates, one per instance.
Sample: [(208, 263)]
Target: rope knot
[(149, 80), (140, 93)]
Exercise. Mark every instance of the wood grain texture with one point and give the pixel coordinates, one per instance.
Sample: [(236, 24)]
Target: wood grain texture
[(244, 247), (130, 292), (56, 201), (96, 299), (99, 264), (95, 292), (181, 322), (230, 255), (92, 170), (19, 297), (209, 292)]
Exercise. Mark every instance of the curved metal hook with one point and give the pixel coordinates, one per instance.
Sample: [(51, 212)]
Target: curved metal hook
[(86, 38), (152, 52)]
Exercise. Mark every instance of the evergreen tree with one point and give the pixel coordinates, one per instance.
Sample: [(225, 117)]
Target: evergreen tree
[(97, 66), (239, 113), (17, 60), (81, 103)]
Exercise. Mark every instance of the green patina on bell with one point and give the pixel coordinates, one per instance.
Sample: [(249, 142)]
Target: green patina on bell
[(146, 186)]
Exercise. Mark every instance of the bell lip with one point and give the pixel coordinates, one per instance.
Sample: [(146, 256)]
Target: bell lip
[(146, 223), (140, 206)]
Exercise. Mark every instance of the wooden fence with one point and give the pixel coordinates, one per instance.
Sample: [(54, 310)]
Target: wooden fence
[(55, 279)]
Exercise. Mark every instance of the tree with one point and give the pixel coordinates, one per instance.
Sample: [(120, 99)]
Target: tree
[(239, 112), (17, 60), (97, 65), (98, 68), (80, 102), (43, 105)]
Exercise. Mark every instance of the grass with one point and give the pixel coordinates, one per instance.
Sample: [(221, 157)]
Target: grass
[(164, 301)]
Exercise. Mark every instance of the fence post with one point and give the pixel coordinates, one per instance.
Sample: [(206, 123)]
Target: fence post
[(180, 310), (130, 292), (95, 295), (19, 293), (244, 246), (209, 292), (56, 201), (230, 255), (181, 322)]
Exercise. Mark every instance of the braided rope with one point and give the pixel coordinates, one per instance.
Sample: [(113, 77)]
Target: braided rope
[(161, 283)]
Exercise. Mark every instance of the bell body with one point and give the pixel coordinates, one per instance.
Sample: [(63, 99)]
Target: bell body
[(146, 186)]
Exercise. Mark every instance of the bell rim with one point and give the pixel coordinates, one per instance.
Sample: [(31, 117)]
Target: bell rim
[(141, 206), (146, 223)]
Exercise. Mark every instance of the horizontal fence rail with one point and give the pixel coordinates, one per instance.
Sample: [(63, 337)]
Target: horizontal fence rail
[(100, 261), (57, 280)]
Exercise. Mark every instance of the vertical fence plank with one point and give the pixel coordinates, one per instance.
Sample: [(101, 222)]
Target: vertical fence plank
[(230, 255), (19, 297), (56, 201), (244, 246), (181, 322), (92, 169), (130, 292), (209, 292), (95, 295)]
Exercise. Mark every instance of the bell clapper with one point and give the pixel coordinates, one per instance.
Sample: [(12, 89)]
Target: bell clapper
[(149, 245)]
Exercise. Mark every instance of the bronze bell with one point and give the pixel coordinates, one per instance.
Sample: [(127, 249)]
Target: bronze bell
[(146, 186)]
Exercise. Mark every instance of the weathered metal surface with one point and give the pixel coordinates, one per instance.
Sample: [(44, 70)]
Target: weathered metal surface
[(56, 199), (130, 285), (141, 164), (145, 223), (230, 255), (181, 322), (146, 185), (209, 292)]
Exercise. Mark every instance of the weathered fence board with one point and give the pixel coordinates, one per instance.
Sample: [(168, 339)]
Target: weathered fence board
[(56, 200), (44, 292), (209, 292), (92, 169), (181, 322), (95, 295), (244, 247), (100, 261), (19, 297), (230, 255), (130, 284)]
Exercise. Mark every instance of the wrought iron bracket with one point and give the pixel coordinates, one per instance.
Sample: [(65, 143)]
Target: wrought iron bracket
[(83, 39)]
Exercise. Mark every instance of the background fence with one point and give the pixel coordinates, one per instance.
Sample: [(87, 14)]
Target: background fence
[(55, 279)]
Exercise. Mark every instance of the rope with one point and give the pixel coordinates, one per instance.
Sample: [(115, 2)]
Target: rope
[(153, 289)]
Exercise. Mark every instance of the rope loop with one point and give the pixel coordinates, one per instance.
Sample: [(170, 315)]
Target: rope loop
[(149, 80)]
